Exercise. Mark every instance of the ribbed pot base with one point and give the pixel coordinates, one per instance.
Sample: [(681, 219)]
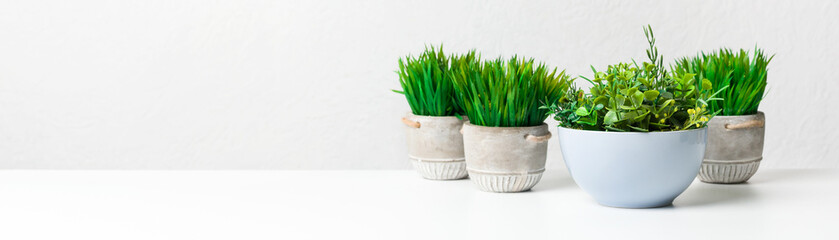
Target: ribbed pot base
[(503, 183), (723, 172), (440, 170)]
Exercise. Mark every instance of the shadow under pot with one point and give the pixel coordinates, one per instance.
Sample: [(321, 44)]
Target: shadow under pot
[(435, 146), (633, 169), (735, 148), (505, 159)]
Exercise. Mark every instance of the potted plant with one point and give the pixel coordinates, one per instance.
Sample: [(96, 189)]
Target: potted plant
[(435, 145), (735, 137), (505, 139), (636, 139)]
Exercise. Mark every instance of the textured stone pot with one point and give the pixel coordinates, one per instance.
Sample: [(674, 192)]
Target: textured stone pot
[(631, 169), (435, 146), (505, 159), (735, 148)]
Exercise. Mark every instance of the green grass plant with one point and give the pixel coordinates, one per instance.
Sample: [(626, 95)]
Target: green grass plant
[(744, 77), (508, 93), (426, 83)]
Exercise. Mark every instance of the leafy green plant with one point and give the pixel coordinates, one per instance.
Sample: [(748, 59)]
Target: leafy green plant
[(628, 97), (744, 77), (426, 84), (499, 93)]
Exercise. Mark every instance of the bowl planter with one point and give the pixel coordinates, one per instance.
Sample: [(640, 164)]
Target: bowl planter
[(505, 159), (435, 146), (735, 148), (639, 170), (637, 139)]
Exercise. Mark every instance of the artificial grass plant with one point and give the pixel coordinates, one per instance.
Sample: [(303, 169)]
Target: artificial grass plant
[(426, 84), (744, 77), (508, 93)]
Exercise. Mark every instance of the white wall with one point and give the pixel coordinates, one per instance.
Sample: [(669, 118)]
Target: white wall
[(305, 84)]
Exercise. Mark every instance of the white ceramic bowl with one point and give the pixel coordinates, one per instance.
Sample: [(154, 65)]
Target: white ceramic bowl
[(632, 169)]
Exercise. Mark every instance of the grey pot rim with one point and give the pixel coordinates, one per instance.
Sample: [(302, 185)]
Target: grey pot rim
[(467, 123), (635, 133), (739, 116), (411, 114)]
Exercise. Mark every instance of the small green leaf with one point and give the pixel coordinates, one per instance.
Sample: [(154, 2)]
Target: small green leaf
[(620, 100), (642, 116), (610, 118), (637, 99), (644, 81), (689, 75), (639, 129), (614, 129), (631, 91), (650, 95), (601, 100), (706, 84), (582, 112)]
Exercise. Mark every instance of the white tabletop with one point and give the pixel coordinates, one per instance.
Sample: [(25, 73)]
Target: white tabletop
[(38, 204)]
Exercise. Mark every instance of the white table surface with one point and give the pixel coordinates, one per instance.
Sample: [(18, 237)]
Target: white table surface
[(39, 204)]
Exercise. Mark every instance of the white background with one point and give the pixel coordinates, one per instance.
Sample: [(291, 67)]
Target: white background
[(306, 84)]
